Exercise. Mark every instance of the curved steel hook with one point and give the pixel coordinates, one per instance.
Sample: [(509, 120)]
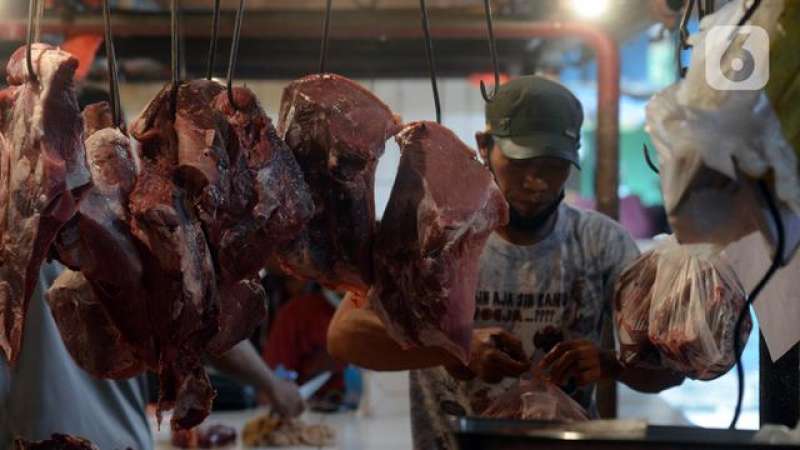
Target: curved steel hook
[(212, 50), (32, 6), (647, 159), (431, 61), (113, 81), (487, 7), (237, 31), (174, 57), (326, 28)]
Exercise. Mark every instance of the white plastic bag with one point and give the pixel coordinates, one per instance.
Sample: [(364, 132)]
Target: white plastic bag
[(634, 292), (712, 143)]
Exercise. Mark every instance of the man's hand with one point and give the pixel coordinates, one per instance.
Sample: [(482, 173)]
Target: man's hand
[(581, 360), (284, 398), (495, 354)]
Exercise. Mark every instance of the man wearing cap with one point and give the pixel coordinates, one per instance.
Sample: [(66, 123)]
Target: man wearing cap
[(558, 264)]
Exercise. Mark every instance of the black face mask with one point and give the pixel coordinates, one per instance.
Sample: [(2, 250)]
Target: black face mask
[(535, 223)]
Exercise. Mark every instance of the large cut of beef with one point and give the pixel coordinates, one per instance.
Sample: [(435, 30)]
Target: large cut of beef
[(43, 174), (180, 277), (89, 334), (218, 192), (443, 206), (100, 233), (56, 442), (337, 130)]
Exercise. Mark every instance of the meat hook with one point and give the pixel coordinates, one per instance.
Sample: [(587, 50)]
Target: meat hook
[(326, 28), (683, 37), (487, 7), (113, 81), (32, 7), (647, 159), (212, 50), (237, 31), (777, 263), (174, 56), (431, 61)]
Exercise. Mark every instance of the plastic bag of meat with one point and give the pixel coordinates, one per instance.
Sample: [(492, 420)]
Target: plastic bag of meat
[(443, 206), (634, 292), (43, 174), (535, 398), (696, 300), (337, 130)]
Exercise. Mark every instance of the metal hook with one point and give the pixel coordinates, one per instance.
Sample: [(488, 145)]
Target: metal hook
[(174, 56), (113, 81), (32, 6), (683, 36), (212, 51), (647, 159), (326, 27), (237, 31), (487, 7), (431, 61)]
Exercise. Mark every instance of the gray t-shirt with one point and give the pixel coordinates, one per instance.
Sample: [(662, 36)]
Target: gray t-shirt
[(558, 289), (46, 392)]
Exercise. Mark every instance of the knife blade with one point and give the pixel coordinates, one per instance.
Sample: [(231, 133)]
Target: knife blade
[(311, 386)]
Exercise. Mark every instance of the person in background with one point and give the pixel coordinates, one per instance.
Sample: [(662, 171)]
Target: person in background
[(298, 340), (46, 392), (560, 263)]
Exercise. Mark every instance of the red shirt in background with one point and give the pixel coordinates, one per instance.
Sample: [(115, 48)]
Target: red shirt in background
[(298, 340)]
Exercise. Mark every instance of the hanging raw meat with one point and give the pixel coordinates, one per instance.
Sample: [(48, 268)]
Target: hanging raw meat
[(443, 206), (56, 442), (179, 275), (100, 233), (43, 174), (337, 131), (89, 334)]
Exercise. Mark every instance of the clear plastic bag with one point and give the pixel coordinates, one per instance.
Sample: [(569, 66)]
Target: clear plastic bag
[(695, 303), (632, 311), (536, 398)]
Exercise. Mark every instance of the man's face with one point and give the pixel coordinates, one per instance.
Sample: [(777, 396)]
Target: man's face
[(529, 185)]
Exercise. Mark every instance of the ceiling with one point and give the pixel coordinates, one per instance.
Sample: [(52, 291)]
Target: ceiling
[(281, 38)]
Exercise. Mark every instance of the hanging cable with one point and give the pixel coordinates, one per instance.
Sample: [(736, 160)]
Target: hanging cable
[(212, 50), (237, 31), (777, 262), (113, 81), (487, 8), (648, 160), (32, 9), (326, 28), (750, 11), (431, 59)]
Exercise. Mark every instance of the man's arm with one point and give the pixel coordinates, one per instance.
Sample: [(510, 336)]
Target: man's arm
[(356, 335), (244, 364)]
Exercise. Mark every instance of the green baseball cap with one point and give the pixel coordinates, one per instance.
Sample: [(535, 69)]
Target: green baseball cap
[(534, 117)]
